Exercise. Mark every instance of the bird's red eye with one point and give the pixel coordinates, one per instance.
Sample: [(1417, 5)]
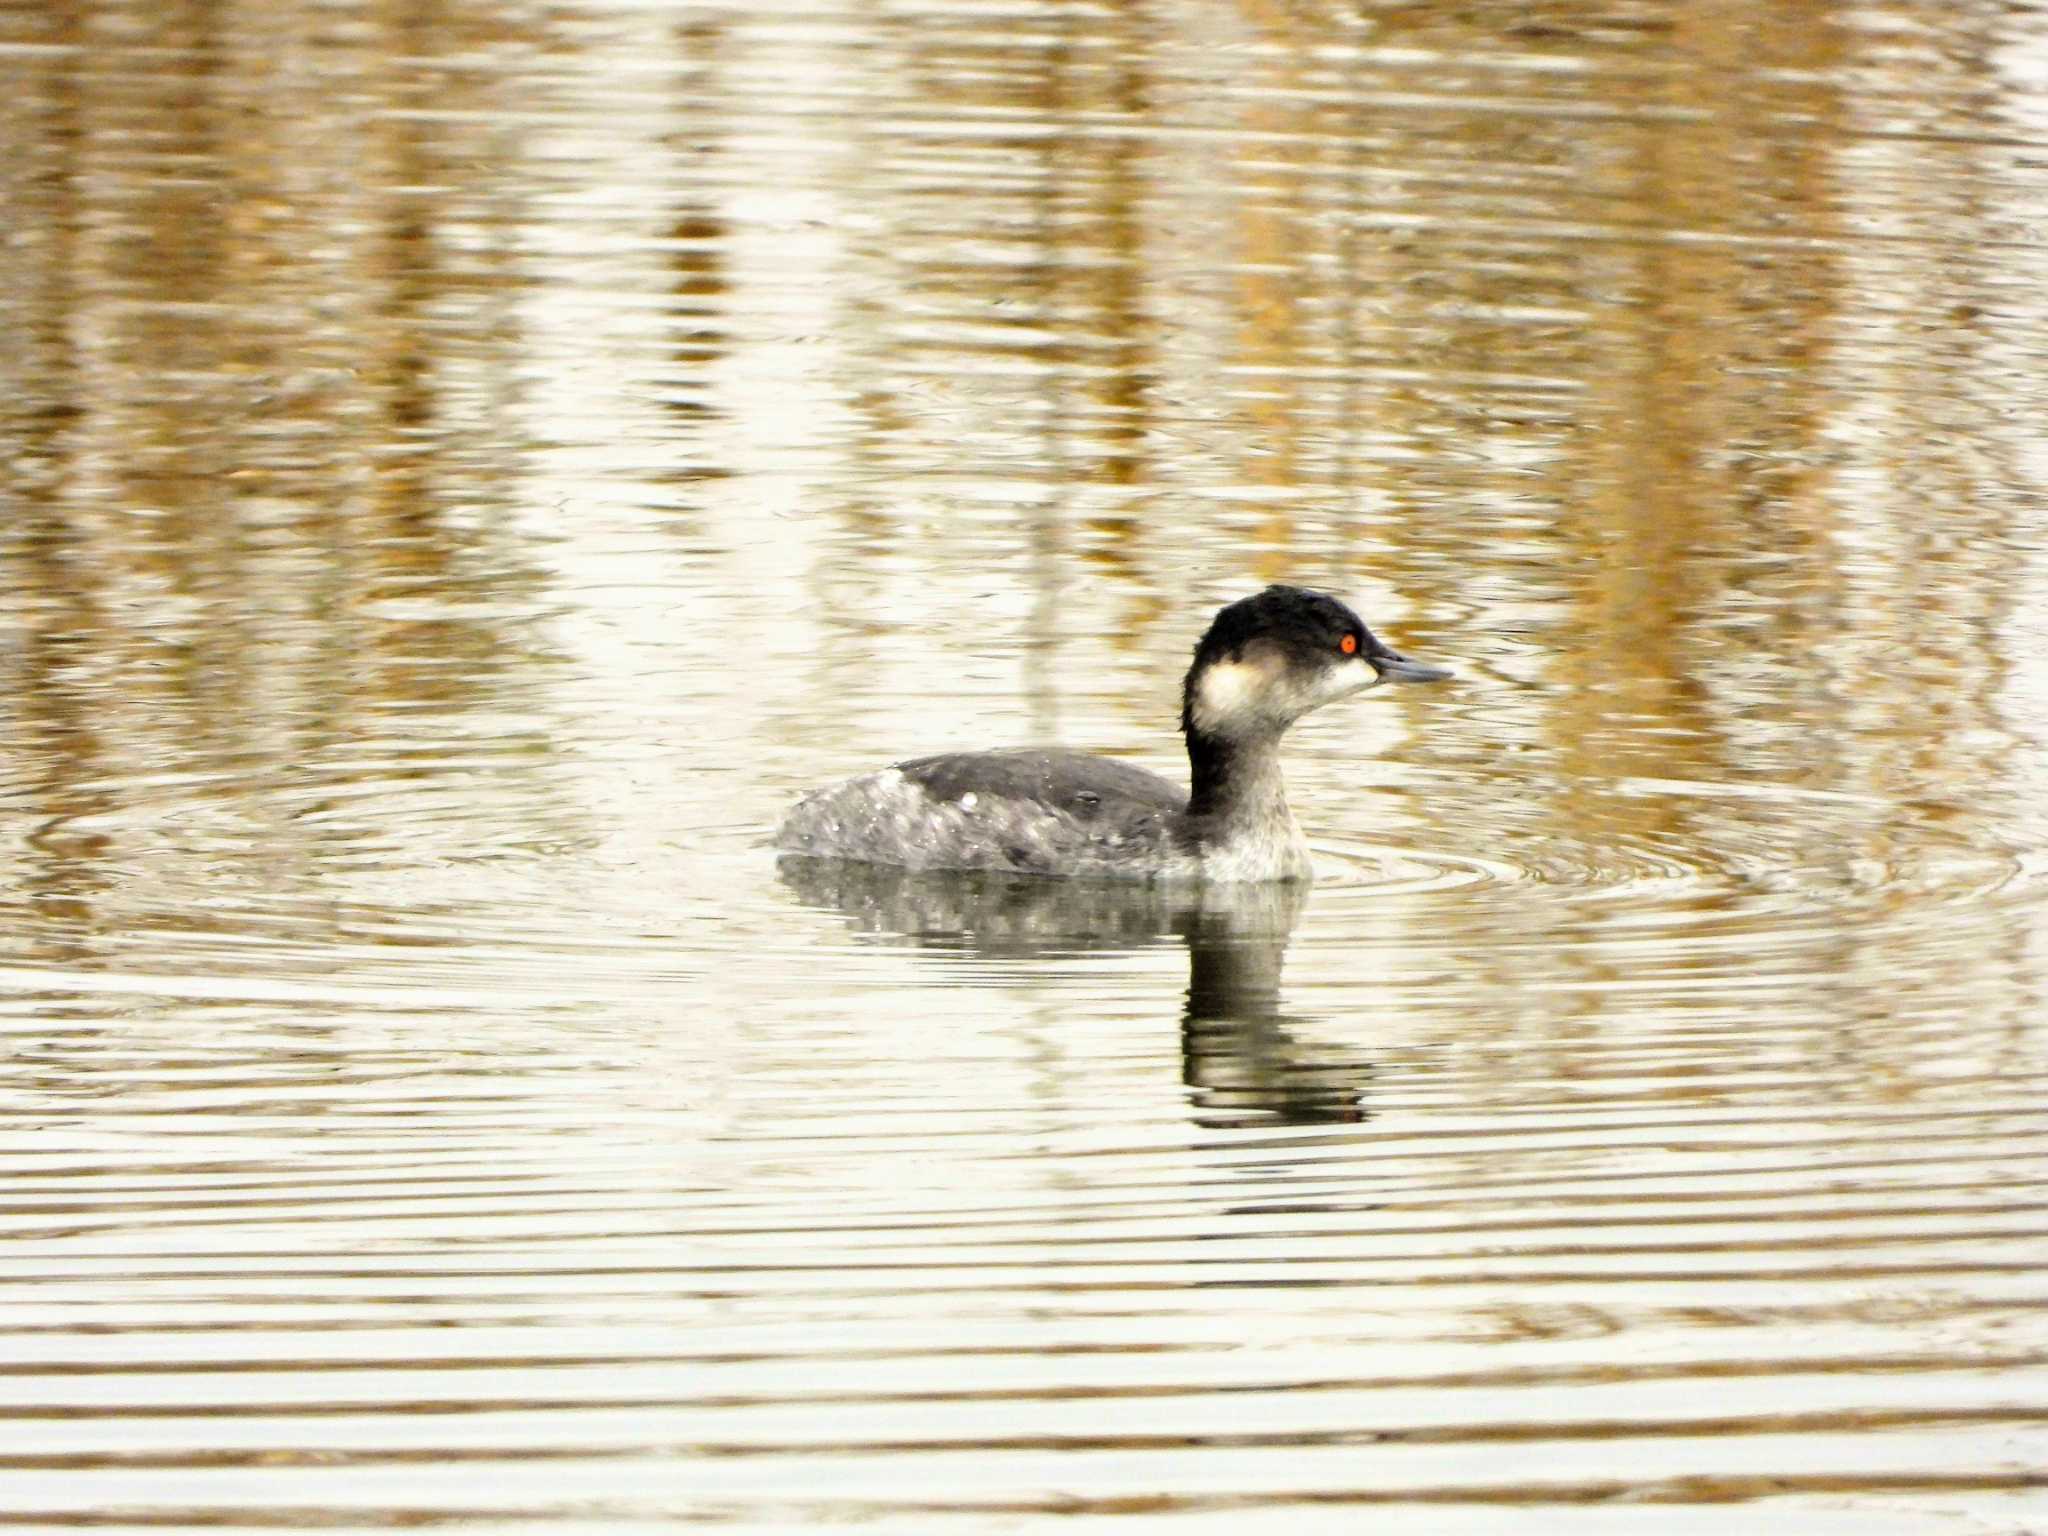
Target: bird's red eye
[(1348, 644)]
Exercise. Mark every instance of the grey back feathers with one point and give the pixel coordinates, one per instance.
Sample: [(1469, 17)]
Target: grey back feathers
[(1029, 812), (1079, 783)]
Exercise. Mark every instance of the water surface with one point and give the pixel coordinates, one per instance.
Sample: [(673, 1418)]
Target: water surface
[(468, 467)]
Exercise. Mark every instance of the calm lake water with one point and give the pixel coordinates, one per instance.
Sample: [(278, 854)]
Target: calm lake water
[(469, 465)]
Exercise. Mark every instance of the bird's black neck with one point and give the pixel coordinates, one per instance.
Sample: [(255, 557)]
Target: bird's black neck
[(1232, 780)]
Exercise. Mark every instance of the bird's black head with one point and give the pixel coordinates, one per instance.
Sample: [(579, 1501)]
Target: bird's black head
[(1269, 659)]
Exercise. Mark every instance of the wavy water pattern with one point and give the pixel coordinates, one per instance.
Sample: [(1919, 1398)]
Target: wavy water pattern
[(469, 466)]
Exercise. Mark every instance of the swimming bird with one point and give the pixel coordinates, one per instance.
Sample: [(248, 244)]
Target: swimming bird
[(1264, 662)]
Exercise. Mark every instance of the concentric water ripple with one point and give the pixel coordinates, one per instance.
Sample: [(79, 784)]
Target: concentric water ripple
[(468, 471)]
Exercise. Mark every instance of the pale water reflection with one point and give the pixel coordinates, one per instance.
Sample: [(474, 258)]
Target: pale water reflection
[(1243, 1062), (469, 466)]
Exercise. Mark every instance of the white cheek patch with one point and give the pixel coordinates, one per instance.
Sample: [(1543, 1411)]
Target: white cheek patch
[(1352, 675), (1234, 698), (1226, 695)]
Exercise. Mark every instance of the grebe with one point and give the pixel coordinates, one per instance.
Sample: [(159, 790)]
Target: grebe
[(1265, 661)]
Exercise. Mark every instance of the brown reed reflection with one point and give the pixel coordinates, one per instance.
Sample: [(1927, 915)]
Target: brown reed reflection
[(466, 466), (257, 418)]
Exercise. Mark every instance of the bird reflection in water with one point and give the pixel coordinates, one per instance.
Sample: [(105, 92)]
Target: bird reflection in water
[(1241, 1058)]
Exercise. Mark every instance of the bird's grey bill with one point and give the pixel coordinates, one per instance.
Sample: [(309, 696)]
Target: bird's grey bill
[(1396, 668)]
